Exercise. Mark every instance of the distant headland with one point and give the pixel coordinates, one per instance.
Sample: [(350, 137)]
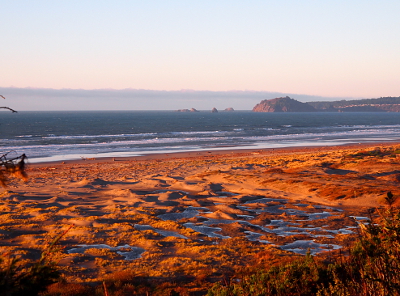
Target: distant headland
[(287, 104)]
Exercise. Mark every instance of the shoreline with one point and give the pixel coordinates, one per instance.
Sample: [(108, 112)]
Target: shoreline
[(227, 152)]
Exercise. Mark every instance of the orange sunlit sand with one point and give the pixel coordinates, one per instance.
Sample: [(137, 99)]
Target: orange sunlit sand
[(198, 213)]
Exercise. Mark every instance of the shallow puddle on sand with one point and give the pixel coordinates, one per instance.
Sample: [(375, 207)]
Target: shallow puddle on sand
[(159, 231), (291, 222), (255, 236), (134, 253), (358, 218), (206, 230), (302, 247), (188, 213)]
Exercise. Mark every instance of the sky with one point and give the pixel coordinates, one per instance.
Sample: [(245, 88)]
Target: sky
[(54, 51)]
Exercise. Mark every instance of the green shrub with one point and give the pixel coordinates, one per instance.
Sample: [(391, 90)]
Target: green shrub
[(300, 277), (371, 268), (17, 279)]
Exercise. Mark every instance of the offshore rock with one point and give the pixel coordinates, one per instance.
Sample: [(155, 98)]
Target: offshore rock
[(230, 109), (214, 110), (284, 104), (187, 110)]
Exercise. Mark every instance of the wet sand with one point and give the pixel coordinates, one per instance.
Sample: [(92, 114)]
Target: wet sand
[(197, 213)]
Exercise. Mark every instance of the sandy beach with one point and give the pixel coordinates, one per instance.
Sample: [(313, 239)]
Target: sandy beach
[(196, 214)]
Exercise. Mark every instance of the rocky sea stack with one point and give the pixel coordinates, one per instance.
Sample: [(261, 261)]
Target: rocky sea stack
[(187, 110), (284, 104)]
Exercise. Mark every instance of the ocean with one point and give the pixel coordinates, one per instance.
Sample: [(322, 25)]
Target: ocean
[(58, 136)]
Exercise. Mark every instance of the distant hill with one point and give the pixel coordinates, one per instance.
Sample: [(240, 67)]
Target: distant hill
[(344, 103), (286, 104)]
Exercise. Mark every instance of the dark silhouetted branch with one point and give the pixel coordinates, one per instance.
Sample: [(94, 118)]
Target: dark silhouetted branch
[(8, 108), (12, 110)]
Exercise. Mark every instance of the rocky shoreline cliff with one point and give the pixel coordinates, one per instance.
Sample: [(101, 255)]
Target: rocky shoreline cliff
[(284, 104)]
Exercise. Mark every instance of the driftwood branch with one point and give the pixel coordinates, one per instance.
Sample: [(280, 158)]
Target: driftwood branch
[(8, 108), (12, 166), (12, 110)]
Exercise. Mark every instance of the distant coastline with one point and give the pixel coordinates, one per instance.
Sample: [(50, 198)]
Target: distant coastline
[(287, 104)]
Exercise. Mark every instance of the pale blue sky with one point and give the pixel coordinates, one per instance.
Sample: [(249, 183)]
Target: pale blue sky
[(322, 48)]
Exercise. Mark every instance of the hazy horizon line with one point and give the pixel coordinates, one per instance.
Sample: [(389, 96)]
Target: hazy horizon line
[(47, 99), (180, 91)]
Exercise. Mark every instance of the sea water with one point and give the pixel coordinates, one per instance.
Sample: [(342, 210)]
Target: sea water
[(51, 136)]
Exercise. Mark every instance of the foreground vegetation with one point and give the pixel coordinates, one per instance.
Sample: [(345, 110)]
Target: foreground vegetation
[(18, 279), (371, 268)]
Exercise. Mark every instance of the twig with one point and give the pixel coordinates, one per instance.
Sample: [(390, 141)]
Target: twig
[(12, 110), (105, 289), (53, 243)]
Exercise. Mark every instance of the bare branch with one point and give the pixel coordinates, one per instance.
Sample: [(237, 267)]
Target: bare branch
[(13, 111), (12, 166)]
